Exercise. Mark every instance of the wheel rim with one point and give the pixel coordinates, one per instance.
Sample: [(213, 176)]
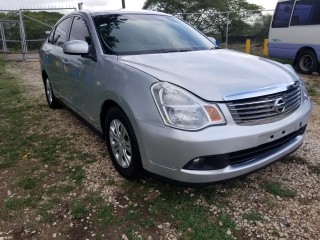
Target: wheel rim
[(306, 63), (49, 90), (120, 143)]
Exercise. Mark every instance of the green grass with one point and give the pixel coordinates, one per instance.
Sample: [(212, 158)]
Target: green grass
[(130, 230), (78, 210), (45, 210), (59, 190), (277, 189), (104, 215), (176, 206), (17, 116), (11, 112), (133, 214), (95, 200), (77, 174), (41, 173), (275, 233), (313, 87), (149, 222), (253, 216), (27, 183), (20, 203)]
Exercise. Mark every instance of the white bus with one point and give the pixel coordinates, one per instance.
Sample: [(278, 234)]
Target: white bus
[(295, 33)]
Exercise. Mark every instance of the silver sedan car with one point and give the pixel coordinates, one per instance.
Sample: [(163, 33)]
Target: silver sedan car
[(168, 101)]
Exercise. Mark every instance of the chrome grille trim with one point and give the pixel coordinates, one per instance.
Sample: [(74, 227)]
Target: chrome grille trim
[(260, 110)]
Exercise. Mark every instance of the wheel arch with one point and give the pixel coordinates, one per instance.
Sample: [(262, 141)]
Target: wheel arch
[(106, 106), (44, 75)]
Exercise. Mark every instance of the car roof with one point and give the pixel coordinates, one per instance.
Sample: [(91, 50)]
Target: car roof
[(107, 12)]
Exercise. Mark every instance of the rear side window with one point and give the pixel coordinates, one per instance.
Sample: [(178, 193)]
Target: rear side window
[(306, 12), (282, 14), (61, 32), (79, 30)]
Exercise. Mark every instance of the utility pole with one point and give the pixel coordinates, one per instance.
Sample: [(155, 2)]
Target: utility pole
[(123, 4)]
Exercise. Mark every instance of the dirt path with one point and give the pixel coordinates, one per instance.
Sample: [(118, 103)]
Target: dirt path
[(279, 202)]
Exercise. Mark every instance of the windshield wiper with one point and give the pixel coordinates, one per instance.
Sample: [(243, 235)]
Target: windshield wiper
[(177, 50)]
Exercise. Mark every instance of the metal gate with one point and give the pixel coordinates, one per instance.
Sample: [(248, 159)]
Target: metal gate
[(22, 32), (12, 39)]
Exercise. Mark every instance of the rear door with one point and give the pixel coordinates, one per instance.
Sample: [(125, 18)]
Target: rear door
[(56, 58)]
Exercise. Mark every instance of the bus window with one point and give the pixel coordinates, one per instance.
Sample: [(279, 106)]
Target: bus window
[(282, 14), (306, 12)]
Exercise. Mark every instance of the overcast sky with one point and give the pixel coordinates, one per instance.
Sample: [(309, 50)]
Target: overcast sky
[(97, 4)]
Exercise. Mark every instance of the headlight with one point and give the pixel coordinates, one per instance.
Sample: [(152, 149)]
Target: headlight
[(180, 109), (305, 95)]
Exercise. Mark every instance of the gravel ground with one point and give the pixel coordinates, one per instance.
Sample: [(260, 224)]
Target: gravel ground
[(277, 217)]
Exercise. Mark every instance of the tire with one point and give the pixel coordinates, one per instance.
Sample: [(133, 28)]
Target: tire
[(307, 62), (52, 101), (122, 144)]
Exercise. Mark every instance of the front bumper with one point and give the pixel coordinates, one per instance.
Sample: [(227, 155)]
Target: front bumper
[(165, 151)]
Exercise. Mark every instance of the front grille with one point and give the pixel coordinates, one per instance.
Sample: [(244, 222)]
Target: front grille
[(266, 109)]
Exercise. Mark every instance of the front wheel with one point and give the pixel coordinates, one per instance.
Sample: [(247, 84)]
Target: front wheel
[(307, 62), (122, 144), (52, 101)]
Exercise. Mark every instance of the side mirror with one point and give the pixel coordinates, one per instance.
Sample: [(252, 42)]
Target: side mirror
[(76, 47), (213, 40)]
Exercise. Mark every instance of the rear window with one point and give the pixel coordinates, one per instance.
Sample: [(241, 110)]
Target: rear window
[(282, 14)]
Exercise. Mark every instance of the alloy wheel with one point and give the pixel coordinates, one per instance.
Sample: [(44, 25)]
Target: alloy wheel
[(120, 143)]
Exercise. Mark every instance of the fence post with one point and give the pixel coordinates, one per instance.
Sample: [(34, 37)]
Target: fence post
[(248, 45), (3, 39), (23, 37), (265, 48), (227, 33)]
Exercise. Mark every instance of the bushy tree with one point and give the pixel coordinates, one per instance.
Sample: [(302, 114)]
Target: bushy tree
[(36, 30), (207, 15), (261, 26), (33, 29)]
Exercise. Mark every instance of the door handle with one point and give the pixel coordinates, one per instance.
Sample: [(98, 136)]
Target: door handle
[(47, 52), (65, 61)]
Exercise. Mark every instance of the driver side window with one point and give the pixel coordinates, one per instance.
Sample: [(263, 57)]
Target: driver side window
[(79, 30), (61, 32)]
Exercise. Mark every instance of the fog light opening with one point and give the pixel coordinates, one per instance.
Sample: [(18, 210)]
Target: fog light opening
[(207, 163), (198, 161)]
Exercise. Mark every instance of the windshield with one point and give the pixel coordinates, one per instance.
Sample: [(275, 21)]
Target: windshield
[(141, 34)]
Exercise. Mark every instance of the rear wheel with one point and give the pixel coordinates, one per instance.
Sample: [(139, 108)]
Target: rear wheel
[(307, 62), (52, 101), (122, 144)]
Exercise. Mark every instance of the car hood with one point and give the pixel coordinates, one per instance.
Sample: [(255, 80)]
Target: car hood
[(213, 75)]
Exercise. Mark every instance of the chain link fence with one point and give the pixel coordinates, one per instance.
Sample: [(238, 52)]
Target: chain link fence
[(233, 29), (23, 32)]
